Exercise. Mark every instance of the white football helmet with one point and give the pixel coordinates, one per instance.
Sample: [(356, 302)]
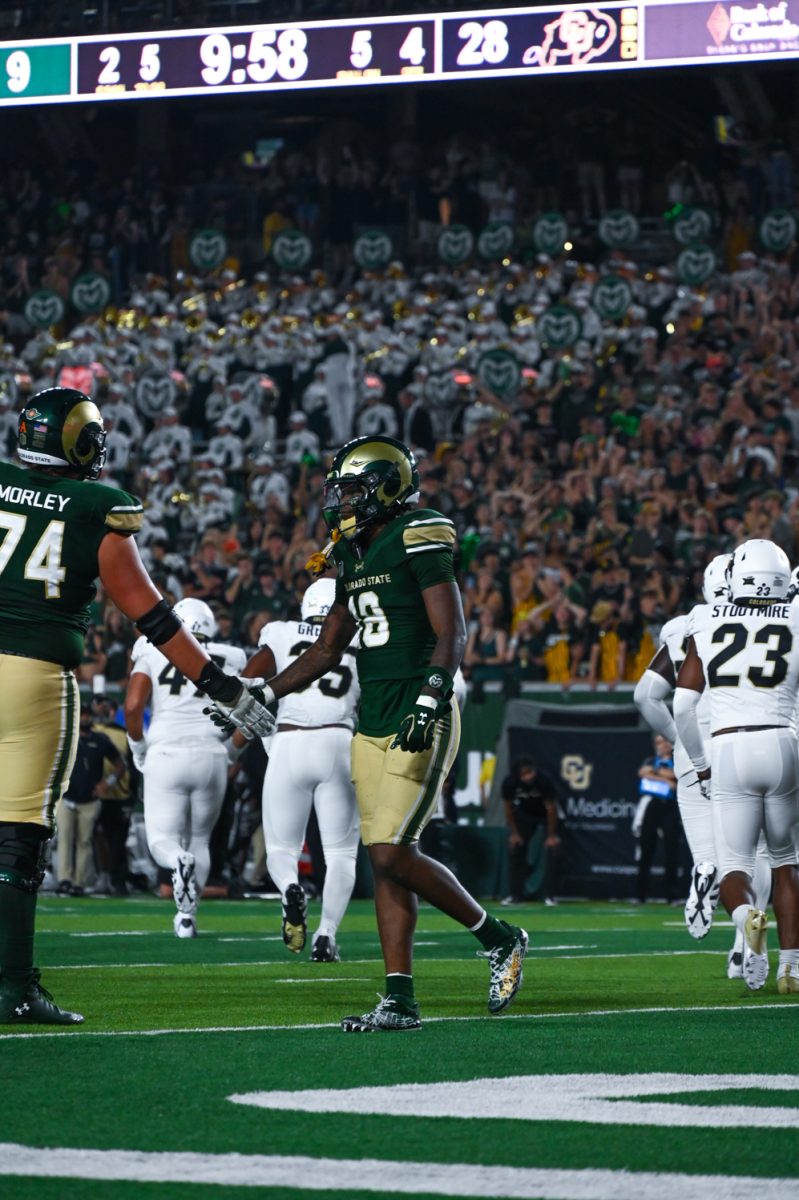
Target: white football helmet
[(760, 573), (318, 600), (197, 617), (715, 585)]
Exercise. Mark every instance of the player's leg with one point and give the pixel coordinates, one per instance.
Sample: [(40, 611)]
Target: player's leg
[(169, 776), (207, 794), (761, 885), (741, 773), (337, 817), (38, 740), (781, 814), (287, 795), (205, 804), (397, 795), (697, 823)]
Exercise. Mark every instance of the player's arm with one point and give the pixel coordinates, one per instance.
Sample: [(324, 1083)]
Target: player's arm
[(690, 685), (552, 838), (444, 610), (137, 697), (131, 589), (442, 602), (651, 692), (321, 656)]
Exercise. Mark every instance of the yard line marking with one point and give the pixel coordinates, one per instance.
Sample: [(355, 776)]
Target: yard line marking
[(353, 962), (325, 979), (587, 946), (114, 933), (598, 1099), (80, 1031), (300, 1172)]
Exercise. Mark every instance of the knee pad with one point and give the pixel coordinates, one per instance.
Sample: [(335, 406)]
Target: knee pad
[(22, 855)]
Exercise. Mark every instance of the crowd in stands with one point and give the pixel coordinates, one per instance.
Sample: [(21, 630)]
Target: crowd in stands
[(587, 503)]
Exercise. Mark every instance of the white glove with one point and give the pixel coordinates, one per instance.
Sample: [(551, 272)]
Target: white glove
[(704, 787), (248, 712), (138, 751)]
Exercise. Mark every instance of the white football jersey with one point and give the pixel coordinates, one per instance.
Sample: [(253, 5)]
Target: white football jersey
[(177, 706), (331, 700), (750, 658), (673, 637)]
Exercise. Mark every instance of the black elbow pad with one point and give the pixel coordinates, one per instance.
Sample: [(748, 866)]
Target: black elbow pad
[(160, 624)]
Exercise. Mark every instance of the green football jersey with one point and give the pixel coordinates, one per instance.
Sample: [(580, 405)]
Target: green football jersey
[(383, 591), (50, 531)]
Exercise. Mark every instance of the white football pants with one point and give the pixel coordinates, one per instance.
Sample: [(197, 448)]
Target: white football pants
[(312, 766), (184, 787), (755, 777)]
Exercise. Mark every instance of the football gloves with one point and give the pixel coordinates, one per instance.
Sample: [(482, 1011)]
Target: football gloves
[(704, 786), (418, 729), (249, 712)]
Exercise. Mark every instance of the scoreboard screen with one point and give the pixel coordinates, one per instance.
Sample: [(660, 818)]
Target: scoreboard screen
[(439, 47)]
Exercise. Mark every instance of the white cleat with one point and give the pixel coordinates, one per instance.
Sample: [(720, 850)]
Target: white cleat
[(185, 926), (755, 964), (702, 899), (184, 884)]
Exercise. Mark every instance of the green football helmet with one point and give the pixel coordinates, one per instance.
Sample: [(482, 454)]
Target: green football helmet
[(370, 477), (62, 427)]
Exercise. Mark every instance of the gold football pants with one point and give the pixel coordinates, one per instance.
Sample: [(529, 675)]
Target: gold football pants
[(398, 791), (39, 706)]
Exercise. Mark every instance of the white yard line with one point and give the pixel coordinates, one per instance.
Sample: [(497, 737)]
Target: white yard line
[(732, 1009), (382, 1177)]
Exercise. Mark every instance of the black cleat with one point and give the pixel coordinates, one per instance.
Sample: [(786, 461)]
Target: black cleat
[(295, 910), (324, 949), (33, 1005)]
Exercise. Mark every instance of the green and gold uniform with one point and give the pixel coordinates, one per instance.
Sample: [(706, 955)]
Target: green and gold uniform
[(397, 791), (51, 528)]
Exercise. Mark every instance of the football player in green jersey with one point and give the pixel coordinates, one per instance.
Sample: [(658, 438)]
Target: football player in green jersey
[(59, 532), (396, 588)]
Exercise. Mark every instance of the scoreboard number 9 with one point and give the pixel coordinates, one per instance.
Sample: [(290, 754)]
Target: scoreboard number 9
[(18, 71)]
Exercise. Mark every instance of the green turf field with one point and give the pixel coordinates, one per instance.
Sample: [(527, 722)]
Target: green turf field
[(629, 1065)]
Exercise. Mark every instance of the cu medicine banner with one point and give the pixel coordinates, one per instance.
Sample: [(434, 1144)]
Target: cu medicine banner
[(595, 772), (440, 47)]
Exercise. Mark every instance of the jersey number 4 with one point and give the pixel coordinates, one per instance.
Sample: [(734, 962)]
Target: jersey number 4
[(737, 637), (175, 680)]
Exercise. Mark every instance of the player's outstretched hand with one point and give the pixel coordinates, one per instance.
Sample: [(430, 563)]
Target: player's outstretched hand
[(248, 711), (418, 728)]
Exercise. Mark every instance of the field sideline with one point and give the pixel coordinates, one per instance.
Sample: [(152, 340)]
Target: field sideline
[(628, 1066)]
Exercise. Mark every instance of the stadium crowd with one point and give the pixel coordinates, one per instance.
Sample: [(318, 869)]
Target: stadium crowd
[(587, 497)]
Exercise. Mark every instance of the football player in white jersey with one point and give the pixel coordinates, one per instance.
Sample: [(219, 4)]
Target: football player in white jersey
[(182, 759), (309, 763), (651, 693), (746, 651)]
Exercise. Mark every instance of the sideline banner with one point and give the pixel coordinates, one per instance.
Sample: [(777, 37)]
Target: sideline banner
[(593, 756)]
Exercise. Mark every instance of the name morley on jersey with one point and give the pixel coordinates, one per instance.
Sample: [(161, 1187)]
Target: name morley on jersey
[(32, 499)]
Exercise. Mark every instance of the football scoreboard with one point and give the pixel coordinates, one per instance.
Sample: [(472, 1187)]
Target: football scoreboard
[(435, 47)]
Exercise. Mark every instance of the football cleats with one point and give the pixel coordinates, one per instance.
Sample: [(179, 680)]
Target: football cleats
[(371, 478), (62, 427), (197, 617), (715, 585), (318, 600), (759, 573)]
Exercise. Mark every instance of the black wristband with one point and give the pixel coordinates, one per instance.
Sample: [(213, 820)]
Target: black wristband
[(440, 680), (217, 685)]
